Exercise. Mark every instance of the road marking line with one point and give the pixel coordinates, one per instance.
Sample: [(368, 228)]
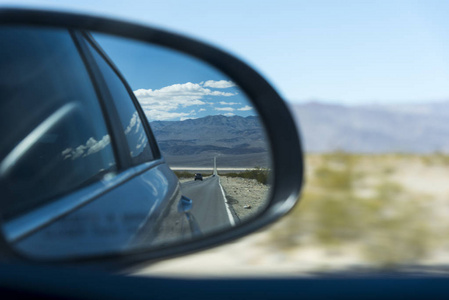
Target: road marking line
[(231, 218)]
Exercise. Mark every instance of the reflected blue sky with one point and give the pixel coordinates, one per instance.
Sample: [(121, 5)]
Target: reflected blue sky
[(171, 85)]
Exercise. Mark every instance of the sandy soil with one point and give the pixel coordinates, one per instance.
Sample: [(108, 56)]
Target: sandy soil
[(255, 255), (251, 256)]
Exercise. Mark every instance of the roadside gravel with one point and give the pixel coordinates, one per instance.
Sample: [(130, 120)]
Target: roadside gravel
[(241, 193)]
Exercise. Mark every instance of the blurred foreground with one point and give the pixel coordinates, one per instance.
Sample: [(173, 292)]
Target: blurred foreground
[(358, 213)]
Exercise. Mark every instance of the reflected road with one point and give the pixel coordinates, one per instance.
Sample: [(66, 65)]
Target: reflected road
[(209, 208)]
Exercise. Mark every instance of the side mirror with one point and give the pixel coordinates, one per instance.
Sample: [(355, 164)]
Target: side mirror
[(123, 143)]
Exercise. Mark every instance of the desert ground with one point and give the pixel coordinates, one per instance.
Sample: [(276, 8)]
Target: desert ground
[(357, 213)]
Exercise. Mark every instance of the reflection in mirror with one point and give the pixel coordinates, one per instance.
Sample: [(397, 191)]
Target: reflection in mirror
[(91, 181), (207, 130)]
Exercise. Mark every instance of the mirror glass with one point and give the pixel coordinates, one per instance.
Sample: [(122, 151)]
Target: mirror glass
[(111, 145)]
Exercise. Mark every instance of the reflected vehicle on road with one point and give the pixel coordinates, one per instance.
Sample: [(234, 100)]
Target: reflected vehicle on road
[(198, 176)]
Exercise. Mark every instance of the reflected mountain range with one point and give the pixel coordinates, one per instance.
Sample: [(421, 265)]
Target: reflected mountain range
[(236, 141)]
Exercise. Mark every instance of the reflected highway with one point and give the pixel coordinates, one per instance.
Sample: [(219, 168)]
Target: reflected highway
[(209, 208)]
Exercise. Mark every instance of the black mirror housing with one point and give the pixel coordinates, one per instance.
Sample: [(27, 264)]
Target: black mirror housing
[(281, 130)]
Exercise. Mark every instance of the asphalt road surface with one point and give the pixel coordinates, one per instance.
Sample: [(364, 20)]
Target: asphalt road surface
[(209, 208)]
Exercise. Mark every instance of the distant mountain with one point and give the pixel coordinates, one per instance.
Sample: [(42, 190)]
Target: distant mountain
[(236, 141), (420, 128), (240, 142)]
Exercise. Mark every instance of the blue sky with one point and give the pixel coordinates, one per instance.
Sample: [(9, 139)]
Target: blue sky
[(351, 52)]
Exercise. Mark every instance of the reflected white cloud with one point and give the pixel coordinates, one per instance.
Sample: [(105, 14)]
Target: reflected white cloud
[(92, 146), (163, 115), (245, 108), (228, 103), (224, 108), (175, 95), (142, 141), (187, 118), (219, 84), (164, 103), (132, 123)]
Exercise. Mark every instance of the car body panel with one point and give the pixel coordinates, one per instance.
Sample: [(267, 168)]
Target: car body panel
[(124, 206), (113, 221)]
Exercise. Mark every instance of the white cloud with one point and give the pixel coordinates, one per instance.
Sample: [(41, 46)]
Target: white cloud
[(219, 84), (163, 103), (229, 103), (246, 107), (201, 109), (224, 108), (229, 114)]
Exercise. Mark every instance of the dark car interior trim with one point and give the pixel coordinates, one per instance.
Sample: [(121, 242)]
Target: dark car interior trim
[(41, 282)]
